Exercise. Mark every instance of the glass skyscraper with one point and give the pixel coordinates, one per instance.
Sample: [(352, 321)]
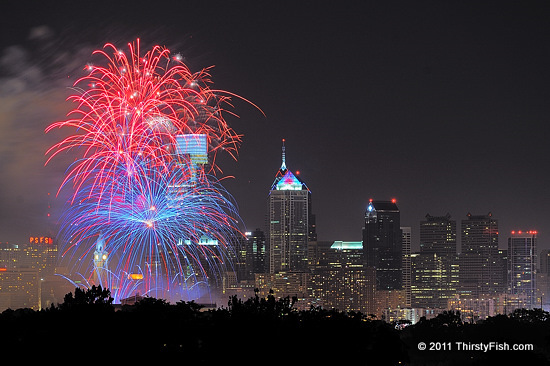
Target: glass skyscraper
[(290, 222), (522, 259), (435, 277), (480, 261), (382, 243)]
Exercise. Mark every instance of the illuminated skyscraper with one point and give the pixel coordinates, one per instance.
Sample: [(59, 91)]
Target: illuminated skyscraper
[(23, 269), (480, 261), (436, 266), (543, 279), (348, 285), (545, 261), (191, 152), (382, 243), (255, 252), (406, 273), (251, 255), (438, 235), (290, 221), (522, 259)]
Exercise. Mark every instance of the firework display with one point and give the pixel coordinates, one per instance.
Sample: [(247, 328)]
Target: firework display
[(146, 212)]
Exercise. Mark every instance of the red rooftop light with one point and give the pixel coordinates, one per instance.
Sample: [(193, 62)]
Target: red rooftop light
[(519, 232)]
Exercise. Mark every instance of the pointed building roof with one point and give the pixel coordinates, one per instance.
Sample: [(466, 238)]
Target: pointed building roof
[(285, 179)]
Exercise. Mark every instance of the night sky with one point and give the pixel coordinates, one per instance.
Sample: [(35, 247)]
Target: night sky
[(441, 105)]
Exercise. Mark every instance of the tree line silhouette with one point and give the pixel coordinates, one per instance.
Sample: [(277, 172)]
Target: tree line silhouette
[(87, 326)]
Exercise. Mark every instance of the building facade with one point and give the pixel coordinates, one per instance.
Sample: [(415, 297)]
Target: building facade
[(543, 279), (24, 268), (481, 271), (407, 269), (435, 278), (341, 281), (522, 259), (382, 244), (290, 222), (438, 235)]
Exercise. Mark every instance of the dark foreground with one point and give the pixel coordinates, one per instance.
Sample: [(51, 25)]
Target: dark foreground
[(86, 327)]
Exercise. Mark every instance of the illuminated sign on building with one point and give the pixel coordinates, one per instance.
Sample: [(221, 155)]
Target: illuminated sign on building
[(40, 240)]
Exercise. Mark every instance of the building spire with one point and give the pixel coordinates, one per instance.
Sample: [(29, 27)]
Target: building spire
[(283, 165)]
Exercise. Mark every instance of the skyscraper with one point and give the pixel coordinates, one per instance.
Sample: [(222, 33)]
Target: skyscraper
[(522, 261), (406, 273), (438, 235), (480, 262), (435, 277), (382, 243), (23, 270), (545, 261), (290, 222), (543, 278), (255, 253), (347, 284)]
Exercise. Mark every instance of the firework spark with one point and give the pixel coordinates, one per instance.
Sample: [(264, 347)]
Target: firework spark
[(147, 132)]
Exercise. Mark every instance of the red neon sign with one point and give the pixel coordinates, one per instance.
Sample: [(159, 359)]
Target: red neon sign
[(40, 240)]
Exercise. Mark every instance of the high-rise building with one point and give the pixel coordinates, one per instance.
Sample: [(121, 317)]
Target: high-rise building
[(434, 280), (406, 273), (438, 235), (286, 284), (545, 261), (435, 275), (190, 151), (255, 253), (352, 285), (543, 279), (290, 221), (382, 243), (23, 269), (522, 259), (339, 279), (480, 262)]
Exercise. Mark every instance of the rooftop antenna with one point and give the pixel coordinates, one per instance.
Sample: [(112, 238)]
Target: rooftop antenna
[(283, 165)]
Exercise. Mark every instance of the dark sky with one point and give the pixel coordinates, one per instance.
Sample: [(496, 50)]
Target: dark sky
[(441, 105)]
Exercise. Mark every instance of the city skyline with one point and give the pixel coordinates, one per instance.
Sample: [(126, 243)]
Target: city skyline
[(439, 106)]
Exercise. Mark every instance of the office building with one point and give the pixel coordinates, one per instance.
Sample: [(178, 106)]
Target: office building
[(406, 274), (290, 221), (341, 281), (382, 244), (435, 268), (543, 280), (545, 261), (252, 255), (23, 269), (480, 261), (522, 261), (286, 284), (434, 281), (438, 235)]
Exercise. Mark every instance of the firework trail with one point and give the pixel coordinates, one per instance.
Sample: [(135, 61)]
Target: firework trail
[(145, 196)]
